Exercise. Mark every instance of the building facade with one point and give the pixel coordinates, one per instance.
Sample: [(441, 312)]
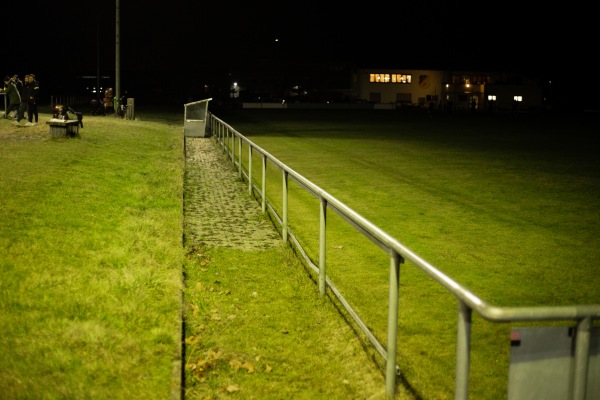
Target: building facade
[(448, 90)]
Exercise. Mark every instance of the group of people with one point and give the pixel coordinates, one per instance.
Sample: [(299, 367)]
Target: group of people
[(22, 98)]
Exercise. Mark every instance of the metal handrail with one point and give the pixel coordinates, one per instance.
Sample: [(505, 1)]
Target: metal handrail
[(468, 302)]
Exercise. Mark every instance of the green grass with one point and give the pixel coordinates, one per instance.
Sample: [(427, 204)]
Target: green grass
[(93, 270), (461, 191), (507, 205), (257, 329), (92, 258)]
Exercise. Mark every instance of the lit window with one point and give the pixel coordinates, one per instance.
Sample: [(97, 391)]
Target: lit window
[(492, 97), (390, 78), (518, 98)]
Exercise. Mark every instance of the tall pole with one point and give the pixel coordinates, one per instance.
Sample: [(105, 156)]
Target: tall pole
[(117, 56), (97, 54)]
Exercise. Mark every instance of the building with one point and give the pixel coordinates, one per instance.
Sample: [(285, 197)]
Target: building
[(448, 90)]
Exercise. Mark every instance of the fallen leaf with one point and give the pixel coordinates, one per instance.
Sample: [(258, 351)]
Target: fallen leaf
[(196, 310), (235, 364), (249, 367), (214, 355), (233, 388)]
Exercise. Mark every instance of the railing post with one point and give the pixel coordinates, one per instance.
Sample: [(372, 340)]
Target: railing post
[(284, 218), (240, 155), (582, 356), (463, 351), (232, 147), (264, 184), (224, 139), (250, 170), (392, 330), (322, 249)]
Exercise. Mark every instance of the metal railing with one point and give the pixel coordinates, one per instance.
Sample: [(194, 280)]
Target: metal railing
[(231, 142), (70, 100)]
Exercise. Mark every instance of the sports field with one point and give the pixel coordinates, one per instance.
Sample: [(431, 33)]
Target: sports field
[(505, 204), (92, 257), (514, 197)]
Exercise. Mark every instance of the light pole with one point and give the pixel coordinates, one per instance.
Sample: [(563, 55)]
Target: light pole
[(97, 53), (117, 56)]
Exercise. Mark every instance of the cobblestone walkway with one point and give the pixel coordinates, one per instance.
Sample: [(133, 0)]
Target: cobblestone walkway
[(218, 212)]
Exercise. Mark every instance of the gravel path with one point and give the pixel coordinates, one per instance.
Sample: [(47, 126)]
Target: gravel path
[(218, 211)]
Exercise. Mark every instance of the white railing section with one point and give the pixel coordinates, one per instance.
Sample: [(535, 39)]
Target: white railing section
[(582, 315)]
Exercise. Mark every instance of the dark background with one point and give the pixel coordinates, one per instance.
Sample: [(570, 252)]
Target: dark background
[(178, 50)]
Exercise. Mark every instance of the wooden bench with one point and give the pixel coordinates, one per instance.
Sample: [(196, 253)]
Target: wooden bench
[(60, 128)]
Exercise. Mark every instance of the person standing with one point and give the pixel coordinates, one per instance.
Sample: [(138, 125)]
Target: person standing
[(13, 92), (108, 101), (19, 84), (4, 87), (33, 94), (24, 101)]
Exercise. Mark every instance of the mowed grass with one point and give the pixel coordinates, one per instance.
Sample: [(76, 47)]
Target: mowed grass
[(95, 275), (91, 261), (460, 190), (506, 205)]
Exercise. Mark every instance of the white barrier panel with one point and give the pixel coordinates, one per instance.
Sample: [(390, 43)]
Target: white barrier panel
[(194, 118)]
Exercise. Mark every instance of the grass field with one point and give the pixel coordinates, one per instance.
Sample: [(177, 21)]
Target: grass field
[(91, 261), (506, 205), (462, 191), (91, 254)]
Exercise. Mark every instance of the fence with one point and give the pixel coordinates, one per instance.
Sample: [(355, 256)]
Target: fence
[(70, 100), (583, 316)]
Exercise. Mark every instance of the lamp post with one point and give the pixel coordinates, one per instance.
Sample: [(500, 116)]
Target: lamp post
[(117, 56), (97, 54)]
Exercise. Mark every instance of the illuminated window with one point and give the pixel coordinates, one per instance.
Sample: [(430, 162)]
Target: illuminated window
[(518, 98), (390, 78), (492, 97)]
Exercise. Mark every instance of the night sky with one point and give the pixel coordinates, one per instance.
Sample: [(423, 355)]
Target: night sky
[(179, 46)]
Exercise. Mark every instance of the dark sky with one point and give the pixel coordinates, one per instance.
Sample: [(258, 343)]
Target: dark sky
[(187, 43)]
